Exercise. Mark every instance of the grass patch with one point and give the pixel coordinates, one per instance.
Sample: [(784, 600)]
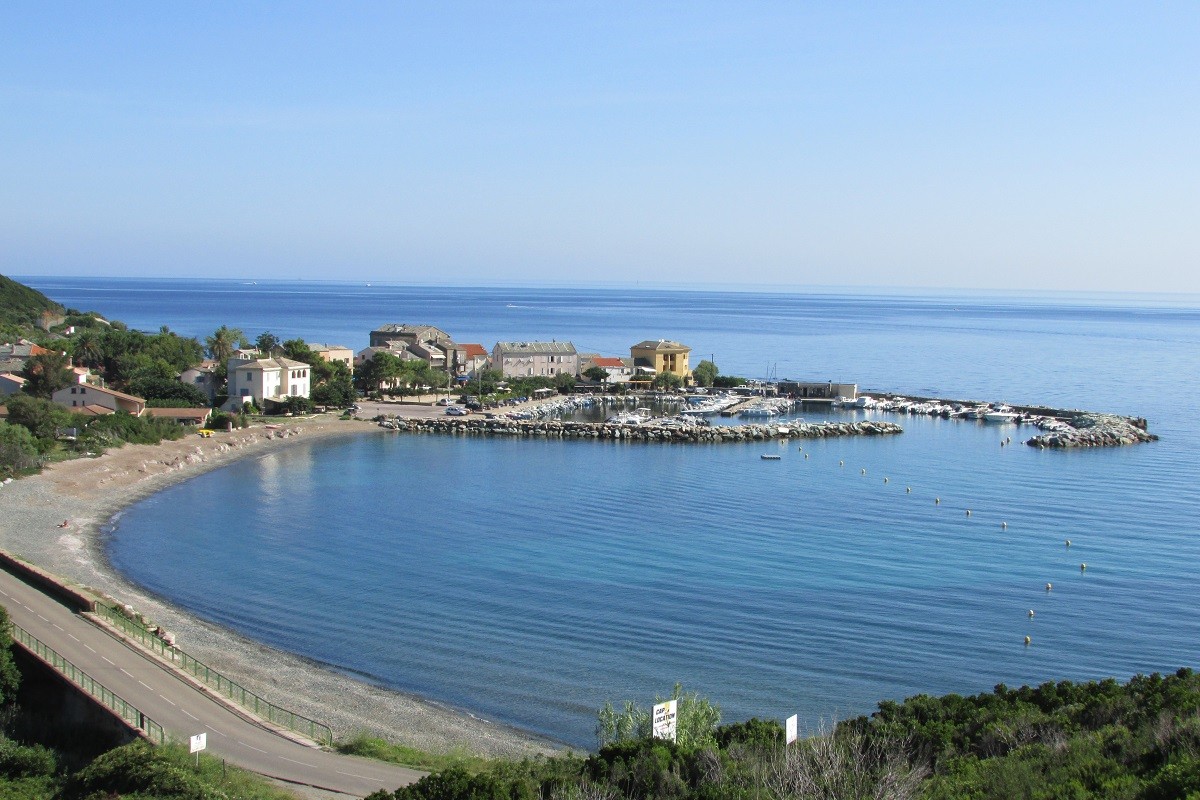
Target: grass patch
[(380, 750)]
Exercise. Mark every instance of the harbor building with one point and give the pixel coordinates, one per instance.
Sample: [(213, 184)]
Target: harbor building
[(662, 356), (523, 359)]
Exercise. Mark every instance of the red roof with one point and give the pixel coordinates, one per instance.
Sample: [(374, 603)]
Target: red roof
[(608, 362), (473, 350)]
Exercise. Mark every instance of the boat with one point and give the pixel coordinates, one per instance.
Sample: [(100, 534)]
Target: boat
[(1001, 415), (768, 457)]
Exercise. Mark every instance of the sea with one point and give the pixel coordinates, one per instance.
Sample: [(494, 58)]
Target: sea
[(527, 582)]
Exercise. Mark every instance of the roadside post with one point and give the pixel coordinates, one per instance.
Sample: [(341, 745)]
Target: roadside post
[(198, 743)]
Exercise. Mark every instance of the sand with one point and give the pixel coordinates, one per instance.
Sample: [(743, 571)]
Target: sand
[(88, 492)]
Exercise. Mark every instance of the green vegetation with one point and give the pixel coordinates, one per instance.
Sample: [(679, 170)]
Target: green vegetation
[(384, 373), (667, 381), (705, 373), (1137, 741), (22, 310), (379, 749)]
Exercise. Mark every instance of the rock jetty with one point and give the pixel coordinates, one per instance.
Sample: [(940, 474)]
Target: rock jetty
[(1095, 430), (649, 432)]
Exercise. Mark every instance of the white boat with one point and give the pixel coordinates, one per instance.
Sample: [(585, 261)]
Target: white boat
[(864, 402), (1000, 414)]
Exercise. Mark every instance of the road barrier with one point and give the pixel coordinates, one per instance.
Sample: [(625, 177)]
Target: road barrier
[(102, 694), (215, 680)]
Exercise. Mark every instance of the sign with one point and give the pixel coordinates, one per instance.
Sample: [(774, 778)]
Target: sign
[(199, 742), (791, 729), (664, 721)]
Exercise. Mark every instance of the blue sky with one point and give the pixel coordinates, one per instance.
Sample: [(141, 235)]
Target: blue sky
[(1040, 146)]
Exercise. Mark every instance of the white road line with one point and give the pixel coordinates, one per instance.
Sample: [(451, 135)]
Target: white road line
[(190, 714), (251, 747), (6, 594), (55, 624), (73, 637), (301, 763), (214, 730), (43, 619), (352, 774), (148, 686), (127, 672), (109, 660), (169, 700), (89, 647)]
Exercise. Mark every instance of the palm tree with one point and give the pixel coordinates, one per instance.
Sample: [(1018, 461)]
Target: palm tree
[(223, 342), (86, 348)]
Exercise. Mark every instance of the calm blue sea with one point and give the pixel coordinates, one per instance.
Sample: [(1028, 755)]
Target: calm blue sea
[(530, 581)]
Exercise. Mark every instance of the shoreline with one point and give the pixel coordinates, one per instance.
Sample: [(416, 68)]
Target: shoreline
[(91, 494)]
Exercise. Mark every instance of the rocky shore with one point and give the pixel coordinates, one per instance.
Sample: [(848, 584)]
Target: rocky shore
[(1095, 430), (648, 432)]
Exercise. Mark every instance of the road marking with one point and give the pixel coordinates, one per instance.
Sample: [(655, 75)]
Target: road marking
[(73, 636), (6, 594), (27, 608), (148, 686), (89, 647), (301, 763), (109, 660), (169, 700), (190, 714), (214, 730), (43, 619), (55, 624), (251, 747), (127, 672), (352, 774)]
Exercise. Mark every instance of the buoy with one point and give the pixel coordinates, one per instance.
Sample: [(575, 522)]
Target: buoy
[(1031, 613), (968, 512), (1082, 567), (841, 463), (1004, 525), (908, 490), (1068, 542), (885, 480), (1027, 641), (1009, 440), (806, 456), (937, 501), (1049, 586)]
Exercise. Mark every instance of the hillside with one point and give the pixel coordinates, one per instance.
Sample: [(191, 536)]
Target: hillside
[(22, 307)]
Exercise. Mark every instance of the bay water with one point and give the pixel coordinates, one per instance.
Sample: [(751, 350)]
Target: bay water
[(528, 581)]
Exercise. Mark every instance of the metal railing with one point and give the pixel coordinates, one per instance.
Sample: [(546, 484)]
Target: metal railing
[(105, 696), (245, 698)]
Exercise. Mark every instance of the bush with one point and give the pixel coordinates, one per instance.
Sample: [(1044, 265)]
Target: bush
[(136, 768), (19, 761)]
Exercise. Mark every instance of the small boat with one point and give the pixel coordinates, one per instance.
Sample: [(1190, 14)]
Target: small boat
[(768, 457), (1002, 417)]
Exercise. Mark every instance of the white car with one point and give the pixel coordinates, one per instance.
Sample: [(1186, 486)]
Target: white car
[(457, 411)]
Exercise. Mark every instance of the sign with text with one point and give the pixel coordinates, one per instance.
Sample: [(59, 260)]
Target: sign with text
[(199, 742), (791, 728), (664, 721)]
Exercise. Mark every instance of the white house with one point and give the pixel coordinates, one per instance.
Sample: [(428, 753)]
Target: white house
[(265, 380), (204, 377), (79, 395)]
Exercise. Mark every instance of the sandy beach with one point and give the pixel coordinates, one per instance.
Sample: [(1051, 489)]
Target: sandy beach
[(88, 492)]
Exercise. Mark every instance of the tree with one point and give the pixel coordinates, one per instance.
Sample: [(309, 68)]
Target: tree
[(46, 374), (41, 418), (596, 374), (667, 380), (334, 384), (298, 350), (564, 382), (844, 765), (10, 678), (223, 342), (18, 450), (87, 348), (705, 373), (266, 343)]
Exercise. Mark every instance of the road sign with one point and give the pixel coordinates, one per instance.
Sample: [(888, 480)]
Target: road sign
[(791, 728), (664, 721), (199, 742)]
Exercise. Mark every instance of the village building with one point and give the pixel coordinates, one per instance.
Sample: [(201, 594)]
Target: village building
[(13, 355), (472, 358), (264, 381), (204, 376), (525, 359), (432, 345), (620, 370), (334, 352), (655, 357), (184, 416), (10, 383), (80, 397)]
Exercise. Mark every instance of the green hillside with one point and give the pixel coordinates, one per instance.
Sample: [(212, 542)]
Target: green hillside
[(22, 307)]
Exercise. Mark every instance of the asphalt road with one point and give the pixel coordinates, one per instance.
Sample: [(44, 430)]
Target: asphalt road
[(184, 710)]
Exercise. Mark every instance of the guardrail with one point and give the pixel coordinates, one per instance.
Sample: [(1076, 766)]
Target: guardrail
[(245, 698), (102, 694)]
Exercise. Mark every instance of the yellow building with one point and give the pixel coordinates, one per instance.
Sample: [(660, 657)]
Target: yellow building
[(662, 356)]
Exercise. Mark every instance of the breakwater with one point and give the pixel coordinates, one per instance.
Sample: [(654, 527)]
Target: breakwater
[(1095, 430), (649, 432)]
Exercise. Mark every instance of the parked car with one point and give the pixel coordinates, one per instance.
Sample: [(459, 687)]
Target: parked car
[(457, 411)]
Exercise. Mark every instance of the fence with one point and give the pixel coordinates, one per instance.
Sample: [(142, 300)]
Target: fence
[(107, 698), (215, 680)]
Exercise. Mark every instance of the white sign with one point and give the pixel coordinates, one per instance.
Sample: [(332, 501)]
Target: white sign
[(791, 729), (664, 721), (199, 742)]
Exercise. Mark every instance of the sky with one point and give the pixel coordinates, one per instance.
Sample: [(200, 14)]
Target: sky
[(1017, 145)]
